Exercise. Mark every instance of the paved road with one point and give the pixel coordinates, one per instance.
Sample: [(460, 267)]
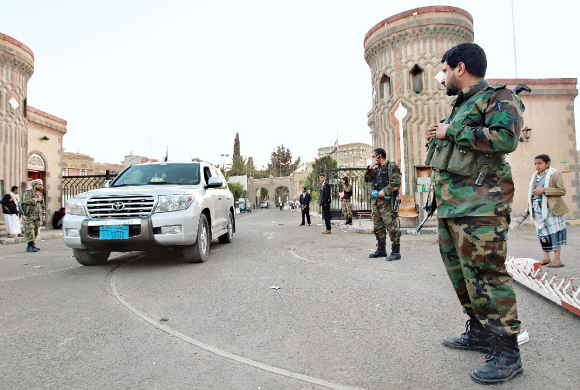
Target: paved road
[(338, 320)]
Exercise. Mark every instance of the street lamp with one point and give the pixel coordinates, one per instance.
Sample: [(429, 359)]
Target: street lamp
[(526, 134)]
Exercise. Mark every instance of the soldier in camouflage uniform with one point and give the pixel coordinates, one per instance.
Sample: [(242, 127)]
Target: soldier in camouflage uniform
[(346, 202), (34, 209), (474, 190), (385, 177)]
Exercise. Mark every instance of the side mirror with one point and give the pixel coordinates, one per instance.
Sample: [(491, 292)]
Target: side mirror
[(107, 183), (214, 182)]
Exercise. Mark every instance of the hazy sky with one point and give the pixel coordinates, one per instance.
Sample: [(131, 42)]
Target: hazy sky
[(190, 74)]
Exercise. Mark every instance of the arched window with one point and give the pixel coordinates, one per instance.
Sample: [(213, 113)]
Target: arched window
[(417, 79), (36, 163), (385, 87)]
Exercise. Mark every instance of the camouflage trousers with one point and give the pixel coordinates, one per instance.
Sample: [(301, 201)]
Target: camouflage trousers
[(473, 250), (31, 229), (384, 219), (347, 208)]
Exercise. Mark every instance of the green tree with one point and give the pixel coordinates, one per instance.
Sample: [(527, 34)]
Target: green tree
[(280, 156), (237, 145), (250, 170), (224, 170), (195, 159), (321, 165), (238, 166), (237, 190)]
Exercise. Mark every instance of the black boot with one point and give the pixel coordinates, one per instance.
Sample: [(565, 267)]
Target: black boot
[(395, 254), (380, 252), (348, 221), (31, 248), (475, 338), (502, 363)]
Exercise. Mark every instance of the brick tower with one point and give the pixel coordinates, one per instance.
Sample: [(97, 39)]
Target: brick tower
[(404, 53), (16, 68)]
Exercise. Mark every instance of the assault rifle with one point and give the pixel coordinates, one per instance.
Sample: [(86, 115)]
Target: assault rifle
[(430, 207), (525, 216)]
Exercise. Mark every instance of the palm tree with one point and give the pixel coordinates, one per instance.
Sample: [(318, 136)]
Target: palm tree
[(238, 166)]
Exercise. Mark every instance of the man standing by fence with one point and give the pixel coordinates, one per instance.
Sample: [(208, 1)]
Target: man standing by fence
[(385, 177)]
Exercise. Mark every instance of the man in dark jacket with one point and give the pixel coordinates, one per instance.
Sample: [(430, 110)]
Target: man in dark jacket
[(305, 206), (325, 202)]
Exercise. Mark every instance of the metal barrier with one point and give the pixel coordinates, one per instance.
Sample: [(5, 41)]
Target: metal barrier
[(74, 185), (361, 191)]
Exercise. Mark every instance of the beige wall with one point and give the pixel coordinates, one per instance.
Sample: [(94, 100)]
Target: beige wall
[(550, 114), (41, 124)]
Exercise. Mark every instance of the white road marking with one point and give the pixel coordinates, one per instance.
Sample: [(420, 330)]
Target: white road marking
[(219, 352)]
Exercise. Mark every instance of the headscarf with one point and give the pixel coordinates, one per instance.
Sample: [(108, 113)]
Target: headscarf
[(37, 181)]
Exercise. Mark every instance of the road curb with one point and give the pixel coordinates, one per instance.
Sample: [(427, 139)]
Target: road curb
[(19, 240)]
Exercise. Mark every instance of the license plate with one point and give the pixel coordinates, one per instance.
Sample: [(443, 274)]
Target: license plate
[(114, 232)]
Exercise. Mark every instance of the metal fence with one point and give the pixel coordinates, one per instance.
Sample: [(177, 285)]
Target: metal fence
[(361, 191), (74, 185)]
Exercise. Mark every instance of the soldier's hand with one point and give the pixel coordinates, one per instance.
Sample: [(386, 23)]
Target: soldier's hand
[(442, 130), (431, 131), (381, 194)]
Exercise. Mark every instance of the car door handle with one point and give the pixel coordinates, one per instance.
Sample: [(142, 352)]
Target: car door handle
[(219, 197), (228, 197)]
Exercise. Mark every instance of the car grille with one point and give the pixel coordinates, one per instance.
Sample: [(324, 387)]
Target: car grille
[(133, 206)]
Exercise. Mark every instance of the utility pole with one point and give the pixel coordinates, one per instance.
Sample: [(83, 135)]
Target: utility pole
[(514, 35)]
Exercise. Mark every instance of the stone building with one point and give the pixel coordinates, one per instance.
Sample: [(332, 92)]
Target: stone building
[(45, 133), (349, 155), (77, 164), (102, 168), (404, 54), (30, 139), (133, 159)]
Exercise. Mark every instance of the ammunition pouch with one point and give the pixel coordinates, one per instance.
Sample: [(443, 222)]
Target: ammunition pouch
[(445, 155)]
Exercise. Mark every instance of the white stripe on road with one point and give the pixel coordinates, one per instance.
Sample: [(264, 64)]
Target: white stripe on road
[(214, 350)]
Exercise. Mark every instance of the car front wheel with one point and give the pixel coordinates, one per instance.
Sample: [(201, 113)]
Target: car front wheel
[(199, 252), (86, 257)]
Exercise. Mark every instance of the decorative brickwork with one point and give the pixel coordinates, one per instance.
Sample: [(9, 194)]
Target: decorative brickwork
[(16, 68), (404, 53)]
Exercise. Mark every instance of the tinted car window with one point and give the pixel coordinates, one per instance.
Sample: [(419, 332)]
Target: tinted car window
[(184, 174)]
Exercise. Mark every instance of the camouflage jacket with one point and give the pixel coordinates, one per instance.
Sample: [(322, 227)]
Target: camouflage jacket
[(487, 119), (33, 209), (394, 177), (347, 192)]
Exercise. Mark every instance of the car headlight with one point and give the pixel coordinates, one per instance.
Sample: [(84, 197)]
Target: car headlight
[(169, 203), (76, 206)]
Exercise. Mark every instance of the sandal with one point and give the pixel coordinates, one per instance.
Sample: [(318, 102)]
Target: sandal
[(554, 265), (544, 262)]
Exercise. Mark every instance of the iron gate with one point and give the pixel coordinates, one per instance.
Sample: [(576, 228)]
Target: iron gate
[(361, 191), (74, 185)]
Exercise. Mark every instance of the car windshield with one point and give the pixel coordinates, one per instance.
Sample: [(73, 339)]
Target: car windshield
[(139, 175)]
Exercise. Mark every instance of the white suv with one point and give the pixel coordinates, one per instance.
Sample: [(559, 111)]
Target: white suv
[(152, 206)]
